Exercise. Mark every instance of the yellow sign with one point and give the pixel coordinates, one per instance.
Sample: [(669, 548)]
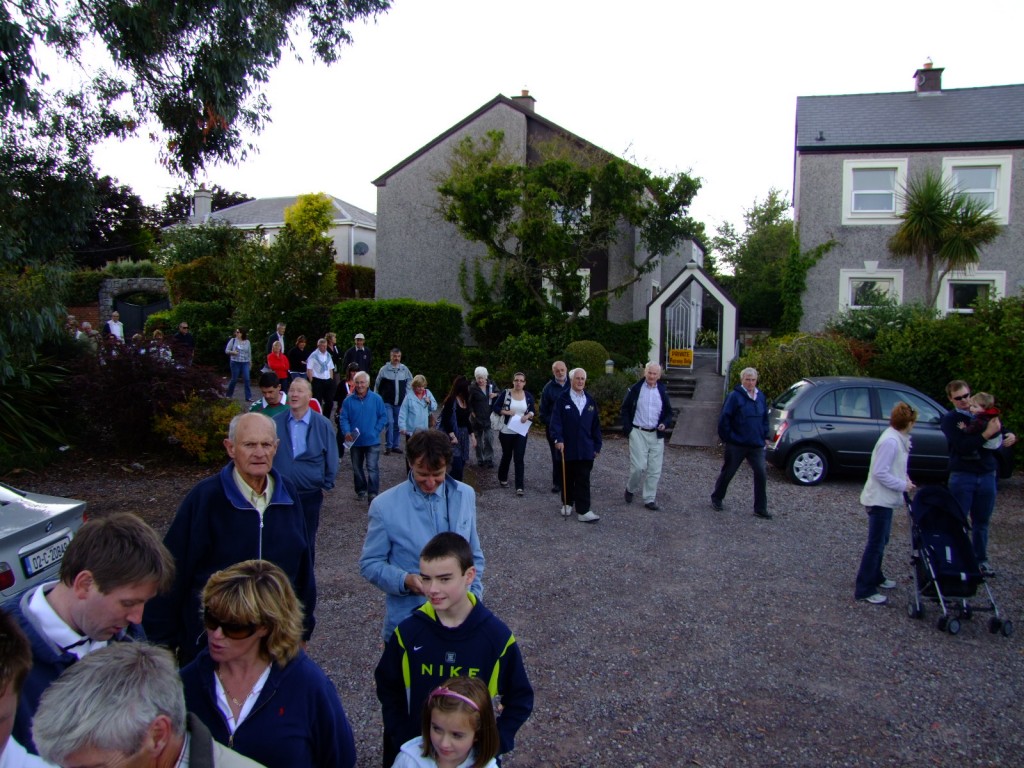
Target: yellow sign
[(680, 358)]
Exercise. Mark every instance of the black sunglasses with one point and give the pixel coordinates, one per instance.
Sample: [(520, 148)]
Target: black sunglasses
[(962, 397), (230, 629)]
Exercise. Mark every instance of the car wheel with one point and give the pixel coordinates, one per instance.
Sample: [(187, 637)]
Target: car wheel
[(807, 466)]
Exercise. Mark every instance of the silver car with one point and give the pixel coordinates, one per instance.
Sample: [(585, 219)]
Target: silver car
[(34, 532)]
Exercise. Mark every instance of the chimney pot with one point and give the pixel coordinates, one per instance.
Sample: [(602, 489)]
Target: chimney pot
[(524, 99)]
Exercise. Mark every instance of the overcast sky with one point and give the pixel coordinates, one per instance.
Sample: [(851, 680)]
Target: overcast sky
[(706, 88)]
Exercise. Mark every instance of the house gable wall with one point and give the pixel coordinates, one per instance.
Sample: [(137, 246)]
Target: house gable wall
[(418, 253)]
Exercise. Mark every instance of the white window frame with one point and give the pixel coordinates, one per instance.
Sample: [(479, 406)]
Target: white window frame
[(847, 276), (1004, 171), (995, 279), (851, 217)]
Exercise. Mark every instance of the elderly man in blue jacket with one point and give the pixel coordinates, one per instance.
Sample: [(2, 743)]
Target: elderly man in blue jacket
[(363, 417), (404, 518), (743, 428), (576, 432), (247, 511)]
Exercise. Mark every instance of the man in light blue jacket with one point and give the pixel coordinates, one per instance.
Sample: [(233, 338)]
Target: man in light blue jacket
[(404, 518)]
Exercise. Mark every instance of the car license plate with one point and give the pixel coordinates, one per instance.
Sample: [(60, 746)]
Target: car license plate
[(44, 558)]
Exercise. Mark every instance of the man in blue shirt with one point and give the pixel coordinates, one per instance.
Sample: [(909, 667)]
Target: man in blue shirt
[(307, 454)]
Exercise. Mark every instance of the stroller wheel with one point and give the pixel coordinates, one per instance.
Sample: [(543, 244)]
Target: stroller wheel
[(1007, 628), (953, 627), (994, 625)]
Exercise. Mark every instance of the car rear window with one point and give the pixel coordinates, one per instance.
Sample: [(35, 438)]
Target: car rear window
[(788, 397)]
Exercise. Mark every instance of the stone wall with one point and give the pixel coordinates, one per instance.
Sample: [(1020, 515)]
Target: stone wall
[(111, 288)]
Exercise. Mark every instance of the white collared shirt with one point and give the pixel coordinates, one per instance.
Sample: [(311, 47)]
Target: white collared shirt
[(54, 628), (648, 407), (579, 399)]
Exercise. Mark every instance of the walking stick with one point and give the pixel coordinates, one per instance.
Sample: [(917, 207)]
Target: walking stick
[(564, 500)]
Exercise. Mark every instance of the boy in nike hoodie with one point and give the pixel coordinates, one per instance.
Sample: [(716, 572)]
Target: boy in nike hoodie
[(452, 634)]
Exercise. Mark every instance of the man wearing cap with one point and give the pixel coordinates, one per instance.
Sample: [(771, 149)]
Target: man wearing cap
[(359, 354)]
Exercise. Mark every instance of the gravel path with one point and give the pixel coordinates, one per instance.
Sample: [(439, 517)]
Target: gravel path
[(687, 636)]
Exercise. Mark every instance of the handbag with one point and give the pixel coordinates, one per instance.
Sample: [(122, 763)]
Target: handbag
[(497, 420)]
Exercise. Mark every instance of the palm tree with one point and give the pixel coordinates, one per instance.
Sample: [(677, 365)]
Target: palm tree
[(942, 229)]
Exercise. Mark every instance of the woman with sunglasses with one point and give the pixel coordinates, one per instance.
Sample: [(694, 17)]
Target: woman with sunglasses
[(253, 686)]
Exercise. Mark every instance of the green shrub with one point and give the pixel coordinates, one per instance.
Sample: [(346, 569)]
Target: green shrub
[(198, 427), (117, 394), (608, 389), (209, 322), (83, 287), (924, 355), (992, 358), (311, 321), (886, 315), (126, 268), (588, 355), (32, 415), (200, 280), (429, 334), (354, 281), (527, 353), (782, 361), (707, 337)]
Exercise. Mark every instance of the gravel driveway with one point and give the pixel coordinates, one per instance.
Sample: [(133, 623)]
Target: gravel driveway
[(686, 636)]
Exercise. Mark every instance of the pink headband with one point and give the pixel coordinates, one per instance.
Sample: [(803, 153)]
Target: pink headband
[(442, 691)]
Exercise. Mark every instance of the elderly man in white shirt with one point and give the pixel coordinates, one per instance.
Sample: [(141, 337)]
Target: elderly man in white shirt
[(646, 414)]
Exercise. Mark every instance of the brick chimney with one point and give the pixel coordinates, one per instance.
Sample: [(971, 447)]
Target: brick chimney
[(928, 80), (202, 202), (524, 99)]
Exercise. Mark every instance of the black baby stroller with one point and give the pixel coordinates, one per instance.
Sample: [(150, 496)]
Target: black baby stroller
[(945, 569)]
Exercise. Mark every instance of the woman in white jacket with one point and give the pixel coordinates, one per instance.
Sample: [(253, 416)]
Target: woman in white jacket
[(887, 482)]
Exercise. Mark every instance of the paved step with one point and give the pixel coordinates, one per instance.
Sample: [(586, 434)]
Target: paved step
[(696, 425)]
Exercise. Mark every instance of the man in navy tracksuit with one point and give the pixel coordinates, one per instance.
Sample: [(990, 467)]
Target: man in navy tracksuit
[(743, 428)]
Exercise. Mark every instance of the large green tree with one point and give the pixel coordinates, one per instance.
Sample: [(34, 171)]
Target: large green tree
[(189, 74), (941, 229), (121, 226), (547, 220), (756, 258)]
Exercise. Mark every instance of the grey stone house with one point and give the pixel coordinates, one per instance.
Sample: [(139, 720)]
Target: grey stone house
[(353, 230), (854, 155), (419, 253)]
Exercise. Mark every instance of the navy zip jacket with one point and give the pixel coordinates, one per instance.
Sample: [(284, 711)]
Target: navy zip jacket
[(628, 410), (422, 653), (48, 662), (215, 527), (744, 421), (297, 719), (580, 432)]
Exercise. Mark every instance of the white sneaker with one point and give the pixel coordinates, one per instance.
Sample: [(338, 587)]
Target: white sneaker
[(590, 517), (566, 510), (876, 599), (887, 584)]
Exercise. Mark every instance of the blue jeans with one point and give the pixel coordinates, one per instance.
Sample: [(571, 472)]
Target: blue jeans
[(367, 482), (734, 456), (976, 494), (869, 575), (240, 371), (394, 441)]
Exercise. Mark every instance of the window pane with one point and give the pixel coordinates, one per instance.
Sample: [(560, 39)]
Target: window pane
[(874, 201), (826, 406), (853, 402), (926, 413), (988, 199), (873, 179), (973, 178), (869, 292), (963, 295)]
